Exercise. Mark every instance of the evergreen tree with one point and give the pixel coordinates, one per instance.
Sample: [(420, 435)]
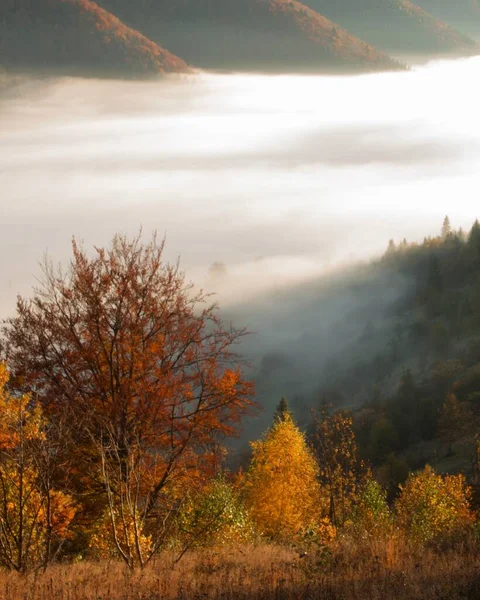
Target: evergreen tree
[(391, 248), (474, 242), (282, 411), (446, 228)]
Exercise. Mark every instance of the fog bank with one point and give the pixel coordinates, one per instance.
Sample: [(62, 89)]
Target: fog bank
[(278, 177)]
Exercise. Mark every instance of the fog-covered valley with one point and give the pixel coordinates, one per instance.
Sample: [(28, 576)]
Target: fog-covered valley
[(268, 188)]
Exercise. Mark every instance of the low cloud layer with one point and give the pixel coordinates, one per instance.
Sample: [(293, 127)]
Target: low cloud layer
[(280, 178)]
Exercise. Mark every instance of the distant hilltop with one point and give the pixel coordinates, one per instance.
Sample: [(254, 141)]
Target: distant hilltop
[(155, 37), (77, 37)]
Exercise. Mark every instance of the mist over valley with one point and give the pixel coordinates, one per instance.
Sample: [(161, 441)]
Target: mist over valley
[(267, 187)]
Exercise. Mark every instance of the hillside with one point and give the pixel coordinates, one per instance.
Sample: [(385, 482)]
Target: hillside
[(463, 14), (251, 35), (77, 36), (396, 25), (389, 340)]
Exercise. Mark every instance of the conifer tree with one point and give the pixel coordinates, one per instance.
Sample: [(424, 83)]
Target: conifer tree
[(282, 410), (446, 228)]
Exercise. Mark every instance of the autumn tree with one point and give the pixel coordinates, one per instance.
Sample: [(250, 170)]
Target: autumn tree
[(433, 507), (34, 516), (282, 490), (341, 471), (371, 517), (145, 371)]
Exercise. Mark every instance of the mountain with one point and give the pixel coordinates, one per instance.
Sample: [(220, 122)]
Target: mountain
[(464, 14), (279, 35), (396, 25), (77, 36)]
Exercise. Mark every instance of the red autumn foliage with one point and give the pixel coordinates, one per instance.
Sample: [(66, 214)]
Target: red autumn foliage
[(127, 350)]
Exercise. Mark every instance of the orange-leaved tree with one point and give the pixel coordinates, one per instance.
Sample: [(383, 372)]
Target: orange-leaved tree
[(281, 487), (34, 516), (146, 372)]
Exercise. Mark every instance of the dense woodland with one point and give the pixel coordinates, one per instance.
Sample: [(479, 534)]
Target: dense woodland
[(120, 389), (419, 397)]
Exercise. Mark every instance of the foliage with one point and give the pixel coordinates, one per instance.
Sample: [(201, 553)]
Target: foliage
[(144, 370), (341, 472), (281, 488), (117, 533), (433, 507), (371, 516), (214, 515), (34, 517)]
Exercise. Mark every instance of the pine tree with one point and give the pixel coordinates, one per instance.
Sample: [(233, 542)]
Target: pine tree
[(446, 228), (391, 249), (474, 242), (282, 411)]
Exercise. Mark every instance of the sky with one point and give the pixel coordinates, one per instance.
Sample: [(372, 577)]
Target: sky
[(280, 178)]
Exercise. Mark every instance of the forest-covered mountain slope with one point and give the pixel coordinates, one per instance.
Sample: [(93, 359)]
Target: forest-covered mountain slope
[(463, 14), (77, 36), (392, 341), (257, 35), (396, 25)]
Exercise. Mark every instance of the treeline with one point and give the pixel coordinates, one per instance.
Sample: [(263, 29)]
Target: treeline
[(412, 376), (119, 389)]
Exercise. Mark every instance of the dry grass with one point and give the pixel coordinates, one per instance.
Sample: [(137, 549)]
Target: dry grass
[(384, 572)]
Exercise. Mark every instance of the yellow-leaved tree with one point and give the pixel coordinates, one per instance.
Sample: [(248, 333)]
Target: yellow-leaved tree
[(34, 516), (433, 507), (282, 491)]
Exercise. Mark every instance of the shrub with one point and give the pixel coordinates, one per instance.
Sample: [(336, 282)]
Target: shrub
[(432, 508)]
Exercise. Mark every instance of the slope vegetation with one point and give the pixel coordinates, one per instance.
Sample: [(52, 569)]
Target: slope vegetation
[(397, 341), (464, 14), (395, 25), (251, 34), (76, 36)]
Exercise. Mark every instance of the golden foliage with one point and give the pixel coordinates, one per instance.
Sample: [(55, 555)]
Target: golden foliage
[(341, 472), (34, 517), (282, 491), (431, 507)]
